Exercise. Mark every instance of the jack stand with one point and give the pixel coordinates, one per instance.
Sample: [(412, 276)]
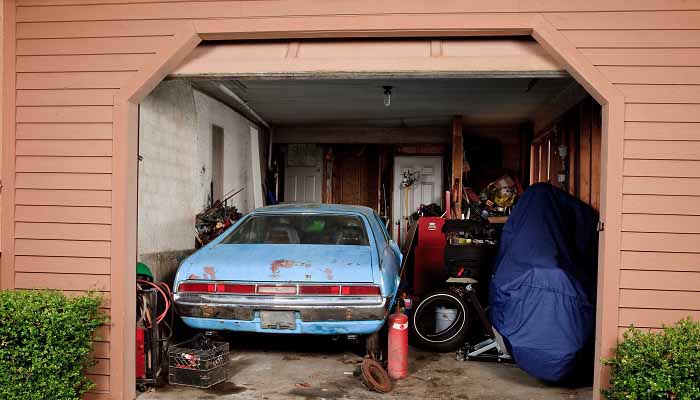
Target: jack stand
[(490, 349)]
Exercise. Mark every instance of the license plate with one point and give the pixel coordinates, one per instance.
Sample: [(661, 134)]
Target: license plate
[(278, 320)]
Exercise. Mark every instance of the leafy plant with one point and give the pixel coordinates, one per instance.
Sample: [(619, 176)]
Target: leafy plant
[(663, 365), (45, 341)]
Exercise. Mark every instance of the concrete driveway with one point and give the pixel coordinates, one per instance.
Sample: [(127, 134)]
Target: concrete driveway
[(290, 367)]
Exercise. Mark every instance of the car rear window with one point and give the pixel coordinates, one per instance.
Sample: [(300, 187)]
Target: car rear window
[(299, 229)]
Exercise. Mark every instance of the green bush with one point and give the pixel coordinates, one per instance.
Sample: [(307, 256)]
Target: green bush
[(663, 365), (45, 341)]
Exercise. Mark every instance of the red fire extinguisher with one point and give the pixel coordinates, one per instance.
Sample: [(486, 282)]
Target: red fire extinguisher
[(398, 346)]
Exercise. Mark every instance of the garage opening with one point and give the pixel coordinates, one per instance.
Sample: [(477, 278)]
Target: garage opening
[(418, 132)]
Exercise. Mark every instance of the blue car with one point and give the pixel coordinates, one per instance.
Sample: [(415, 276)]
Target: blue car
[(302, 269)]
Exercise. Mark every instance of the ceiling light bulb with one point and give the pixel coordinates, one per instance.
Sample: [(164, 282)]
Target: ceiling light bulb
[(387, 95)]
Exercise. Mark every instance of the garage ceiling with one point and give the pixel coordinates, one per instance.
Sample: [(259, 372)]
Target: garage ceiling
[(415, 102)]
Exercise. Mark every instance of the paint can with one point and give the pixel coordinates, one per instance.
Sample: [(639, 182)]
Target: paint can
[(444, 317)]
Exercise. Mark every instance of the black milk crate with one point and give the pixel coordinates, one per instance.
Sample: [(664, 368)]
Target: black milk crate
[(190, 365)]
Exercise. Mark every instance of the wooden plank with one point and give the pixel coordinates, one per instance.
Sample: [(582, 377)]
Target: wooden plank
[(34, 230), (596, 137), (646, 318), (657, 57), (663, 112), (535, 164), (103, 333), (662, 131), (106, 296), (140, 9), (64, 164), (109, 45), (661, 223), (652, 75), (655, 261), (634, 38), (663, 299), (94, 29), (645, 20), (572, 134), (62, 248), (81, 63), (96, 198), (678, 205), (661, 94), (101, 349), (662, 168), (101, 381), (75, 148), (457, 165), (41, 180), (660, 280), (65, 131), (544, 161), (101, 367), (665, 242), (72, 80), (64, 265), (662, 150), (26, 280), (66, 97), (65, 114), (71, 215), (584, 152), (661, 186)]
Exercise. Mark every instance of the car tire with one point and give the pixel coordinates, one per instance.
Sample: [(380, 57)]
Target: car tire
[(422, 326)]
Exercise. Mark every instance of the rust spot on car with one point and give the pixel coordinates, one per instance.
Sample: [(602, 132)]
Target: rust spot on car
[(277, 265), (329, 273), (209, 272)]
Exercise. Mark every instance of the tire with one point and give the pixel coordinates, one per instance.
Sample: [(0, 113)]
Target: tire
[(423, 325)]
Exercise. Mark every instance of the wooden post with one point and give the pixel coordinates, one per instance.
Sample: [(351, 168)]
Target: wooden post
[(457, 164)]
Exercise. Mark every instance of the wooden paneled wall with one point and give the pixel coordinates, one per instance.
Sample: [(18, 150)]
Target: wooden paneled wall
[(66, 59), (579, 130)]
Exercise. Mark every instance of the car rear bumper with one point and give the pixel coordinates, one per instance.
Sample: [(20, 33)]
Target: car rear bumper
[(308, 309), (302, 327)]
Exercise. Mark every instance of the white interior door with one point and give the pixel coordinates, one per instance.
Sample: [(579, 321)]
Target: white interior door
[(426, 189), (302, 183)]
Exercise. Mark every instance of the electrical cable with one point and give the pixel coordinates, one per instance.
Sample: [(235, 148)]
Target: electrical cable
[(160, 317)]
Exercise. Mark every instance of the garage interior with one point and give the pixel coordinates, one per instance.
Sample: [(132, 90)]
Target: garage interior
[(273, 131)]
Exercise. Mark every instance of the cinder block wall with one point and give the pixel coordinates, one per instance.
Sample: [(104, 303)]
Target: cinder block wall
[(175, 145)]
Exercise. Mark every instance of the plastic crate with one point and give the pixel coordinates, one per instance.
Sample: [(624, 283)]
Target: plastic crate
[(190, 365)]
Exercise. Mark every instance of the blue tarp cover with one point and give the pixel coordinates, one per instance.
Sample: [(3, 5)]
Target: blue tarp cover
[(542, 295)]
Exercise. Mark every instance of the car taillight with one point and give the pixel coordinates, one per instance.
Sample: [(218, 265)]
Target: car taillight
[(319, 290), (235, 288), (360, 291), (277, 290), (197, 287)]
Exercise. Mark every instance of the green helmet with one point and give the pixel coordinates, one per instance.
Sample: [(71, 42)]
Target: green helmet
[(143, 270)]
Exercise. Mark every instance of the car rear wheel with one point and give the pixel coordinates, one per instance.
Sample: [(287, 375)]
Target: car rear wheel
[(440, 322)]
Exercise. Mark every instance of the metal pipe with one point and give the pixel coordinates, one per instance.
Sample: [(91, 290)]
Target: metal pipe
[(245, 105)]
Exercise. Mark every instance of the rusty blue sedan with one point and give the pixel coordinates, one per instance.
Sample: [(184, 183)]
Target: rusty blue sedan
[(305, 269)]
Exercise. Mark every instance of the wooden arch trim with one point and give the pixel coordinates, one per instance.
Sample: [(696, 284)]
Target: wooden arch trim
[(125, 141)]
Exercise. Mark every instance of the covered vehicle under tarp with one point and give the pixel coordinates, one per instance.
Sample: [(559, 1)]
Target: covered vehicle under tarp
[(543, 292)]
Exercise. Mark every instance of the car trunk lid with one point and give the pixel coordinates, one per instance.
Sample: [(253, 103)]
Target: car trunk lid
[(282, 263)]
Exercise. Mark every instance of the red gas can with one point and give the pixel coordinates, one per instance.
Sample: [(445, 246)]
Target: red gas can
[(398, 346)]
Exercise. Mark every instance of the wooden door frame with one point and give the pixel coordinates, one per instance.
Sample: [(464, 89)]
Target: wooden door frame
[(125, 143)]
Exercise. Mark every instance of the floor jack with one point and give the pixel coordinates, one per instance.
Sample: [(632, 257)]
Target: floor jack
[(492, 348)]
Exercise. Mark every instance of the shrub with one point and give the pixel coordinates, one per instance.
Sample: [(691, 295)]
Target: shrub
[(45, 341), (662, 365)]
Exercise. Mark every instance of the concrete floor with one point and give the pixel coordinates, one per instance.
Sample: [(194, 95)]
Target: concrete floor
[(290, 367)]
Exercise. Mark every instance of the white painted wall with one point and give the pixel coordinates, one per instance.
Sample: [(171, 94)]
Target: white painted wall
[(175, 143)]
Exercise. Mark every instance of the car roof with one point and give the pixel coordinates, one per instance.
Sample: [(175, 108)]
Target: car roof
[(302, 208)]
